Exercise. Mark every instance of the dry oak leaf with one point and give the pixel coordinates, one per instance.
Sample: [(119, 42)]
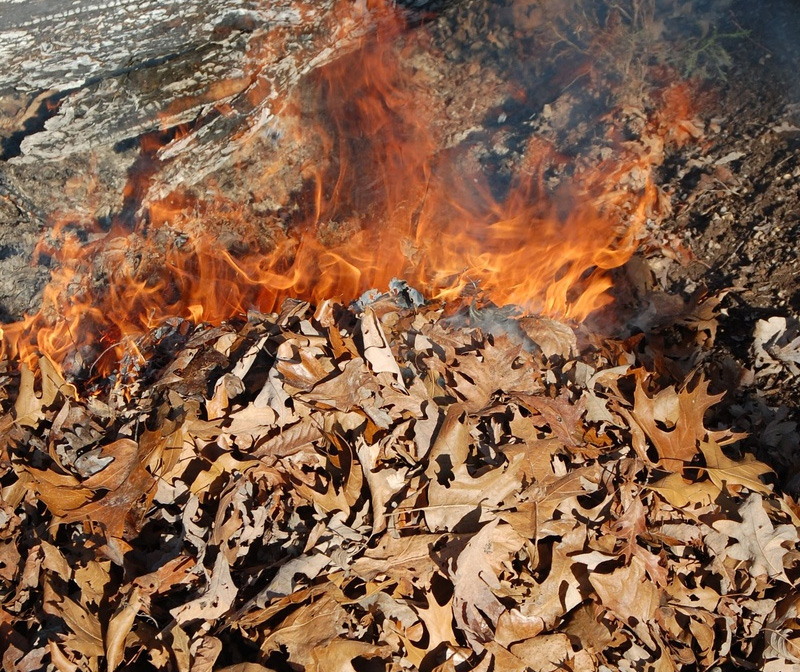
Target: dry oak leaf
[(338, 655), (307, 629), (759, 542), (124, 458), (783, 633), (119, 626), (377, 350), (561, 417), (725, 472), (680, 493), (9, 541), (351, 387), (548, 601), (631, 596), (215, 601), (302, 367), (502, 367), (61, 493), (401, 558), (120, 508), (29, 408), (206, 654), (438, 620), (475, 606), (85, 633), (680, 412), (453, 492), (547, 653), (554, 338), (597, 410)]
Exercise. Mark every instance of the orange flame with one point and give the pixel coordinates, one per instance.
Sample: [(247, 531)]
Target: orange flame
[(385, 204)]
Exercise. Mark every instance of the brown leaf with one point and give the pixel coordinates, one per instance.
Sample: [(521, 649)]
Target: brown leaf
[(759, 542), (301, 367), (383, 483), (84, 631), (62, 493), (562, 417), (338, 655), (307, 629), (475, 605), (630, 595), (55, 561), (549, 651), (226, 388), (9, 541), (206, 654), (351, 388), (548, 602), (124, 454), (399, 557), (93, 579), (53, 383), (501, 367), (119, 626), (289, 441), (28, 407), (118, 508), (59, 659), (171, 573), (725, 472), (215, 600), (179, 645), (680, 493), (453, 492), (554, 338), (681, 416), (376, 348)]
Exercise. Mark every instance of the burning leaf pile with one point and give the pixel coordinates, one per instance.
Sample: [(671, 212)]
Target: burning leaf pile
[(390, 487), (391, 484)]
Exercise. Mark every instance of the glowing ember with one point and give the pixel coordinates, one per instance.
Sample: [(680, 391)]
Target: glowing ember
[(386, 203)]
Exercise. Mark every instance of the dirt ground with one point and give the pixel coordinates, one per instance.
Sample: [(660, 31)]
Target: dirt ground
[(737, 208)]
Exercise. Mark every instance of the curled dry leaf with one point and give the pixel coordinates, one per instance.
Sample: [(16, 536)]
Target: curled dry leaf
[(119, 626), (546, 603), (215, 600), (554, 338), (759, 543), (377, 350), (630, 596)]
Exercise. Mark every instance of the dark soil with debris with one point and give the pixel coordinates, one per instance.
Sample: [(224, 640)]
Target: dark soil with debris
[(737, 209)]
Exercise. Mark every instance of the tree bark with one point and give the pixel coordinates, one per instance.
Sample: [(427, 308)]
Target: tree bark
[(122, 68), (63, 44)]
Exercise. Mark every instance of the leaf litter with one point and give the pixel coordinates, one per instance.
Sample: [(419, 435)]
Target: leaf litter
[(390, 486)]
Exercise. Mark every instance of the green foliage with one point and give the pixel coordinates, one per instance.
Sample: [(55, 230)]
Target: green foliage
[(708, 56)]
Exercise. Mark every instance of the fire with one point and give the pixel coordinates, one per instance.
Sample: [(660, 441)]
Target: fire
[(384, 201)]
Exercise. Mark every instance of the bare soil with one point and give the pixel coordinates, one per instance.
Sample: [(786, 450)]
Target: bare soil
[(737, 208)]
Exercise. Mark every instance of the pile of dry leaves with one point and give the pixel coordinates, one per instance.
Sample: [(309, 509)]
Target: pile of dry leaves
[(391, 488)]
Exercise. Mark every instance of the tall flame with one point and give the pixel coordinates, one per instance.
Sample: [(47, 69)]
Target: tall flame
[(385, 203)]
